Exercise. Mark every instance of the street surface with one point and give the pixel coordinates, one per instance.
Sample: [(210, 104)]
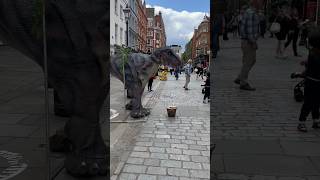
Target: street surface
[(22, 121), (170, 148), (255, 132)]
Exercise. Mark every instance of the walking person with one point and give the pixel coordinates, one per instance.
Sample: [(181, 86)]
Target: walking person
[(312, 84), (176, 73), (150, 83), (263, 24), (282, 19), (226, 28), (207, 89), (293, 34), (249, 34), (188, 71)]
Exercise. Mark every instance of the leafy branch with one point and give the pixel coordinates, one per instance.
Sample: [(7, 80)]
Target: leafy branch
[(124, 53)]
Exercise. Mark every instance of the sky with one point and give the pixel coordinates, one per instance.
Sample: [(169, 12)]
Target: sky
[(180, 17)]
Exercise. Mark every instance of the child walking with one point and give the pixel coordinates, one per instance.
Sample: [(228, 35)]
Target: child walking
[(312, 84), (206, 89)]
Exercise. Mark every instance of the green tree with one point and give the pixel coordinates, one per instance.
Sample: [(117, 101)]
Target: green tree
[(188, 51)]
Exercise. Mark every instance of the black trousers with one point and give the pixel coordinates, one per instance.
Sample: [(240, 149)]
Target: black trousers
[(311, 100), (206, 93), (150, 84), (294, 38)]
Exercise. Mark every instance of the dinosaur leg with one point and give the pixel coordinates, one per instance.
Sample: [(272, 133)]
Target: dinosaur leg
[(129, 106), (129, 93), (89, 152), (137, 110)]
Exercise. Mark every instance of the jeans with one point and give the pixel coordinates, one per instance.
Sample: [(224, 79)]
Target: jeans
[(294, 38), (187, 81), (248, 60), (311, 100)]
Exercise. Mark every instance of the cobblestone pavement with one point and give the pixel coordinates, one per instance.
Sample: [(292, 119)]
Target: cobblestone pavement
[(22, 121), (171, 148), (255, 132)]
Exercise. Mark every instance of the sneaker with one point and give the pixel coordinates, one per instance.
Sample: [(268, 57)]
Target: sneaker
[(247, 87), (204, 102), (186, 88), (237, 81), (302, 128)]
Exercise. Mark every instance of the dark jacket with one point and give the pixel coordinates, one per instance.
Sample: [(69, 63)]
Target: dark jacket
[(313, 65)]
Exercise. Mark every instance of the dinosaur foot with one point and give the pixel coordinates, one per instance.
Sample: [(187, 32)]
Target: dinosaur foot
[(129, 106), (81, 166), (59, 143), (140, 113)]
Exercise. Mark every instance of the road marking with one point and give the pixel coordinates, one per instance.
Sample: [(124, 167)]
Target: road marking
[(113, 114), (15, 167)]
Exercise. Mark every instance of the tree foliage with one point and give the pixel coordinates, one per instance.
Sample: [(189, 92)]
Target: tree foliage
[(188, 52)]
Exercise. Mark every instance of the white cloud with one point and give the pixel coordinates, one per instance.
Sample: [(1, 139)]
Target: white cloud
[(179, 24)]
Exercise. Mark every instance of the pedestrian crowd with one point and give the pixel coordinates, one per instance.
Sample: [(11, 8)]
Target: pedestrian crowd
[(287, 27)]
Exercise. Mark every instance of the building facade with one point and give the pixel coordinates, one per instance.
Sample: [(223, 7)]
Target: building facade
[(150, 30), (156, 34), (133, 25), (117, 23), (201, 39), (176, 49), (160, 31), (142, 26)]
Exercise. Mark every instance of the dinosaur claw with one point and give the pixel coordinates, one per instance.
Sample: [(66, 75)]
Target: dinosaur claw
[(140, 113)]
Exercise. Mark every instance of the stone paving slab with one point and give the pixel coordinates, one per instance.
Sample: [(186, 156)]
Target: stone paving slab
[(270, 165), (248, 147), (172, 148), (255, 132)]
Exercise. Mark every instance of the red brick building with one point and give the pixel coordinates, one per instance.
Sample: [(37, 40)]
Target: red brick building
[(160, 31), (156, 34), (200, 42), (142, 25)]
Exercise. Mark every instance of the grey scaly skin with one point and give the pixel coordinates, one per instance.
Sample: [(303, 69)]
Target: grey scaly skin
[(78, 60), (139, 68)]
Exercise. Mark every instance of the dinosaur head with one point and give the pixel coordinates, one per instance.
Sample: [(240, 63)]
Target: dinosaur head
[(167, 56)]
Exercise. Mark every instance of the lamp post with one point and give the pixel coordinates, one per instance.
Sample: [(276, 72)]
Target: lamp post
[(127, 14), (127, 17)]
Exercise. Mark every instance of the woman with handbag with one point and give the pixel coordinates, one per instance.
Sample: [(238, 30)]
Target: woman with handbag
[(282, 20), (293, 34)]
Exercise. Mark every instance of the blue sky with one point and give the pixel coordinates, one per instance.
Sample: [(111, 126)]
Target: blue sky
[(179, 5), (180, 17)]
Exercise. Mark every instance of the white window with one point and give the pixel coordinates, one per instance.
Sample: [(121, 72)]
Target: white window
[(116, 34), (121, 36), (116, 7)]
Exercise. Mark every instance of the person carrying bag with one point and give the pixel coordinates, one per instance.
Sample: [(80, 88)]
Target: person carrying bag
[(275, 26)]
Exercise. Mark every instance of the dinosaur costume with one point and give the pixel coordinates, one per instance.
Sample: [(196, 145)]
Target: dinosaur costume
[(138, 69), (77, 48)]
